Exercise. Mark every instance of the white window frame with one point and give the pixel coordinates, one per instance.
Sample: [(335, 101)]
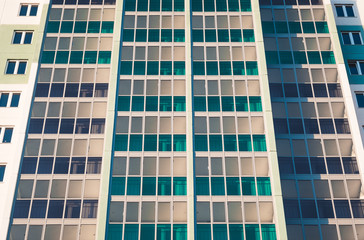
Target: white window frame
[(2, 133), (29, 7), (23, 33), (343, 6), (10, 98), (357, 65), (16, 69)]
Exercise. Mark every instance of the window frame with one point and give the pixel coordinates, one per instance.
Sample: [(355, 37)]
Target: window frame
[(23, 34), (2, 172), (360, 71), (10, 98), (29, 9), (343, 7), (351, 37), (2, 133), (16, 68)]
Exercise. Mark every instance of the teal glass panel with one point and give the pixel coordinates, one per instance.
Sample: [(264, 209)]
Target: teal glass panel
[(248, 186), (179, 68), (142, 5), (121, 142), (255, 104), (236, 35), (136, 142), (90, 57), (238, 68), (252, 231), (232, 186), (241, 104), (245, 6), (211, 68), (210, 35), (80, 27), (285, 57), (166, 5), (200, 143), (152, 68), (230, 143), (165, 143), (245, 143), (227, 103), (268, 232), (130, 5), (203, 232), (179, 5), (137, 103), (93, 27), (198, 68), (179, 104), (233, 5), (199, 104), (294, 27), (155, 6), (126, 67), (179, 143), (76, 57), (328, 57), (223, 34), (215, 143), (166, 35), (202, 186), (66, 27), (281, 27), (128, 35), (48, 57), (248, 35), (251, 68), (268, 27), (165, 103), (263, 185), (314, 57), (164, 232), (133, 186), (179, 231), (53, 27), (139, 67), (272, 57), (118, 186), (300, 57), (308, 27), (179, 35), (209, 6), (150, 142), (151, 103), (179, 186), (220, 231), (149, 186), (164, 186), (225, 68), (107, 27), (217, 186), (213, 104), (221, 6), (197, 35), (321, 27), (197, 5), (153, 35), (236, 231), (124, 103), (104, 57), (147, 231), (114, 231), (141, 35), (166, 68)]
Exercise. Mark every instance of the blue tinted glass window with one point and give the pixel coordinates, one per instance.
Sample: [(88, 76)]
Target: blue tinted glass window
[(55, 209), (45, 165), (2, 173), (39, 208), (21, 209), (7, 135), (4, 99), (17, 38), (15, 100), (23, 10), (62, 165)]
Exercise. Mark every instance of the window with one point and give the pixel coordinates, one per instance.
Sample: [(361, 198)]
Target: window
[(28, 10), (352, 38), (16, 67), (344, 10), (5, 134), (2, 173), (21, 37), (9, 99), (356, 67)]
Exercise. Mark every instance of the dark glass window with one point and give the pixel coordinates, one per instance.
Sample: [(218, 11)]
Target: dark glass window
[(302, 166), (358, 208), (51, 126), (39, 208), (342, 209), (35, 126), (45, 165), (280, 126), (295, 126), (291, 208), (98, 126), (61, 166), (276, 90), (29, 165), (327, 126), (350, 165), (55, 209), (325, 209), (57, 90), (73, 208), (89, 209), (342, 126), (21, 209), (87, 90), (305, 90), (78, 165), (285, 165), (82, 126), (308, 208), (334, 165), (67, 126), (93, 165), (71, 90), (318, 165), (311, 126)]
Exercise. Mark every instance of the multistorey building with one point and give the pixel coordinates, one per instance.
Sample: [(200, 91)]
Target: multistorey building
[(161, 119)]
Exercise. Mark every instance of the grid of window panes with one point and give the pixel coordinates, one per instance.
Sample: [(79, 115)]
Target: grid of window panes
[(149, 185), (318, 167), (232, 172), (60, 175)]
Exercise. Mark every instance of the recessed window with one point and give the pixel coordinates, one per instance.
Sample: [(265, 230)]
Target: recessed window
[(28, 10), (2, 173), (360, 99), (344, 10), (22, 37), (8, 99), (356, 67), (16, 67), (5, 134), (352, 38)]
